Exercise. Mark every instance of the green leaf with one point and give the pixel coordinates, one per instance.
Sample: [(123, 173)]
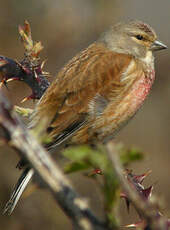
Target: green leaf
[(85, 157), (76, 167), (131, 155), (77, 153), (99, 160), (25, 112)]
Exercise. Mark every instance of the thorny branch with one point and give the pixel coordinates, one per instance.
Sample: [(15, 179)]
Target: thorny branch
[(154, 220), (30, 70), (74, 207)]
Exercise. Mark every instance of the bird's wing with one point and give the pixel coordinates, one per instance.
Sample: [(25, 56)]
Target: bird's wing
[(66, 101)]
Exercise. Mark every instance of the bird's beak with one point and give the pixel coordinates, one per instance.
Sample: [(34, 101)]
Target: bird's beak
[(158, 45)]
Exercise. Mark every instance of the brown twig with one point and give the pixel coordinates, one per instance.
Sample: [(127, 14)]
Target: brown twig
[(145, 208), (29, 69), (74, 206)]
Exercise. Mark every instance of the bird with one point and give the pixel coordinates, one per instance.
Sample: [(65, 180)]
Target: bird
[(97, 92)]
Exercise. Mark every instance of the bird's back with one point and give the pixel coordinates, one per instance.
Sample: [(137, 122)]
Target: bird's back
[(89, 99)]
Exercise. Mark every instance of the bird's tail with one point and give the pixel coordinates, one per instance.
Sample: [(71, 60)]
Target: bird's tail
[(18, 190)]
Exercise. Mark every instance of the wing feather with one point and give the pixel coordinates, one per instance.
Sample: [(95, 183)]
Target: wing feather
[(95, 70)]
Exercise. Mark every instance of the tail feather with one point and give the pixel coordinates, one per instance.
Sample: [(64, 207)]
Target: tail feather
[(18, 190)]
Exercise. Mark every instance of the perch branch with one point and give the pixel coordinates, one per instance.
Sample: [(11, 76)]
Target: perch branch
[(71, 203), (144, 207), (29, 69)]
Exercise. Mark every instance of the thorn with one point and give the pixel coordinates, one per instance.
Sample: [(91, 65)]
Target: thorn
[(124, 196), (25, 99), (140, 178), (13, 79), (1, 84), (98, 171), (147, 192), (139, 225), (26, 70), (45, 73), (36, 76), (28, 98), (43, 63), (95, 172), (130, 226)]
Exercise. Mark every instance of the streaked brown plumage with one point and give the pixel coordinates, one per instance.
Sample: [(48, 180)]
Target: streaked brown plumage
[(78, 90), (101, 88), (106, 73)]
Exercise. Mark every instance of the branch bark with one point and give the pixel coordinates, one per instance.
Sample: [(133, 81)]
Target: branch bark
[(73, 205), (144, 208)]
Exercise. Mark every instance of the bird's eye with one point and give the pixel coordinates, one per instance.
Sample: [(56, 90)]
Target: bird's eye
[(139, 37)]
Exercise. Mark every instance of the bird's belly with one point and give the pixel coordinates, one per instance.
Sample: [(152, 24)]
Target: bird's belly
[(104, 127), (126, 108)]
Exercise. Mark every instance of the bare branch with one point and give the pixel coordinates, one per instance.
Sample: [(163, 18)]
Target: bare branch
[(74, 206), (29, 69), (145, 208)]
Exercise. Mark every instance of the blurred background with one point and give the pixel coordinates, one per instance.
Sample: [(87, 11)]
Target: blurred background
[(65, 27)]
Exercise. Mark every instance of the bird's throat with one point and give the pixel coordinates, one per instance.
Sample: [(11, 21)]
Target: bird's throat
[(128, 105), (148, 60)]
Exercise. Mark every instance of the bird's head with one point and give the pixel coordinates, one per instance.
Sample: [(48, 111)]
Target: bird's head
[(135, 38)]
